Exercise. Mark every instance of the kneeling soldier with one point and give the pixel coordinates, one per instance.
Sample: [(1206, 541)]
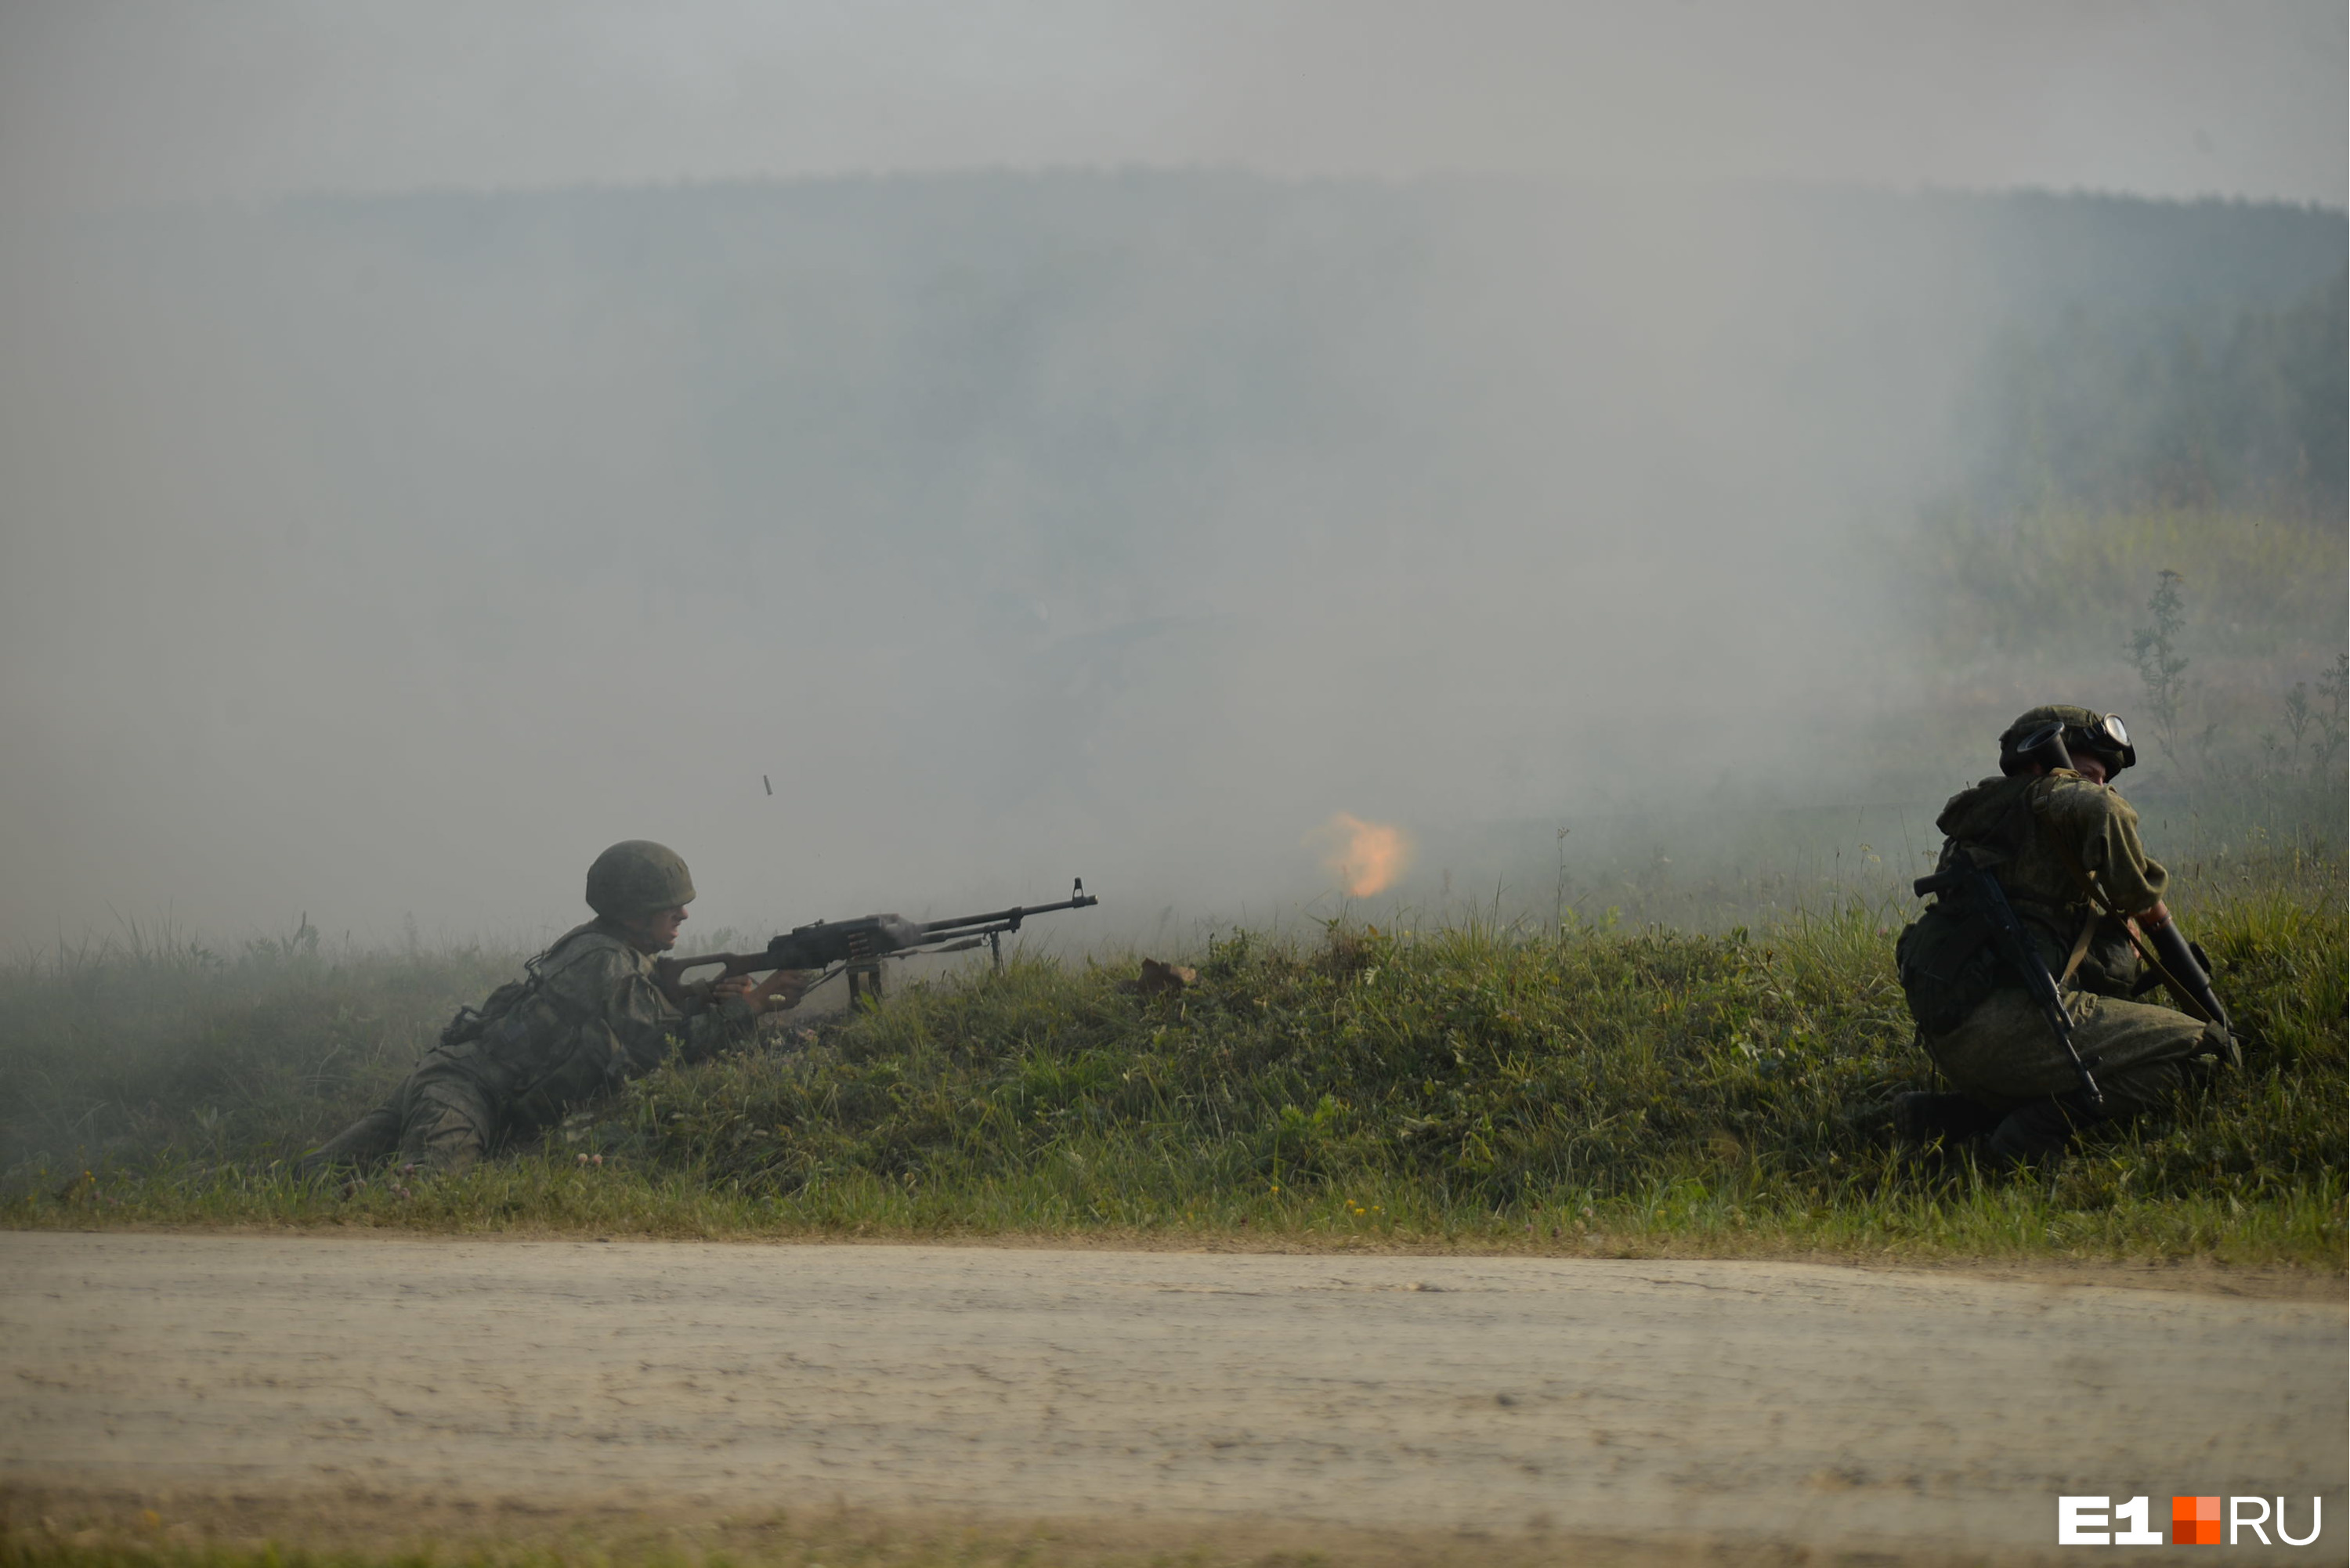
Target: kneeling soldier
[(2062, 848), (585, 1017)]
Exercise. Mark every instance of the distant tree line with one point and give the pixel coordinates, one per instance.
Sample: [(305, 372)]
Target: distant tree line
[(2117, 408), (1091, 346)]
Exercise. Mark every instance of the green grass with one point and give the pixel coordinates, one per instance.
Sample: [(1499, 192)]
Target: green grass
[(1462, 1087)]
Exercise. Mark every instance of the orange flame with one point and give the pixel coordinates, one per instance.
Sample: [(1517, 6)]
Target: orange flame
[(1366, 856)]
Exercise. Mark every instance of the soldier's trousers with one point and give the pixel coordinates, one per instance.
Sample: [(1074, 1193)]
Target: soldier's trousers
[(441, 1116), (2006, 1054)]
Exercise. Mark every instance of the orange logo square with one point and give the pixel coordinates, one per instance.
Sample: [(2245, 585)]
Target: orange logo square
[(2195, 1522)]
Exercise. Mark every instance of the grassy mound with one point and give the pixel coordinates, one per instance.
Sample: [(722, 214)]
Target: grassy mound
[(1485, 1069), (1467, 1084)]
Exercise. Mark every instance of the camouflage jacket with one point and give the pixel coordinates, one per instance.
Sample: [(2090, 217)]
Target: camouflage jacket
[(2019, 829), (587, 1019)]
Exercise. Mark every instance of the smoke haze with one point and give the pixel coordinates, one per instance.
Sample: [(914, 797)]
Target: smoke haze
[(382, 558)]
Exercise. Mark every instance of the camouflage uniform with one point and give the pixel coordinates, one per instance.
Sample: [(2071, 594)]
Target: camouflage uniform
[(588, 1019), (1978, 1024)]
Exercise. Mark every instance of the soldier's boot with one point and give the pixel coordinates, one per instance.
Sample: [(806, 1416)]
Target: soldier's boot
[(1920, 1118), (365, 1141), (2035, 1135)]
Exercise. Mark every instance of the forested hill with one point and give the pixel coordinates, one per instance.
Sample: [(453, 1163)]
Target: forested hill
[(2104, 349), (2197, 262)]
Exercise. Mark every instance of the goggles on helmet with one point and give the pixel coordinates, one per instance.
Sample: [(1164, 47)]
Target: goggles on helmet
[(2053, 744), (2107, 737)]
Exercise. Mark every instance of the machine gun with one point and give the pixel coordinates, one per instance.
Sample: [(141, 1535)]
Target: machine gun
[(858, 946), (2014, 943)]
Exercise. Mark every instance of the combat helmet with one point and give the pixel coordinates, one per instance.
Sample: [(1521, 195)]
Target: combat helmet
[(638, 877), (2083, 730)]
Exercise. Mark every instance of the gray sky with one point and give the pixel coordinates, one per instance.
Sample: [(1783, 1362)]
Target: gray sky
[(109, 100)]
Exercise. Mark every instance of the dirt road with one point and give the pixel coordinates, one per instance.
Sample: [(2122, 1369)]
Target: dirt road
[(1743, 1400)]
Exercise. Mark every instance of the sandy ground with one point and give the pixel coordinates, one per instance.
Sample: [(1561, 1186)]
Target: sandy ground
[(1732, 1401)]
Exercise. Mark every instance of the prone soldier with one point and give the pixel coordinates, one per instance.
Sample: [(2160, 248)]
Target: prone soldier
[(587, 1016)]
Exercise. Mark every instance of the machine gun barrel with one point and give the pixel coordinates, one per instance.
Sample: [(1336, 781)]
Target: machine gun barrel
[(1008, 920)]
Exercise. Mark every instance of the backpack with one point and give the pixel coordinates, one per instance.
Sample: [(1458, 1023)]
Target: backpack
[(470, 1024), (1947, 965)]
